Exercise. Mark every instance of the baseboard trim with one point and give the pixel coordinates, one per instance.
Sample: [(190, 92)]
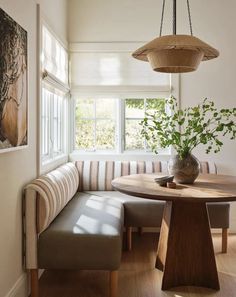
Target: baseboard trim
[(19, 289)]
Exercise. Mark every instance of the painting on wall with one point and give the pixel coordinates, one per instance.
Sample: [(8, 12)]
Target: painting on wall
[(13, 84)]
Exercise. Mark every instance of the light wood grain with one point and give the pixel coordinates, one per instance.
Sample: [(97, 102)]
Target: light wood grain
[(34, 283), (138, 276), (129, 238), (207, 188), (224, 240), (113, 283)]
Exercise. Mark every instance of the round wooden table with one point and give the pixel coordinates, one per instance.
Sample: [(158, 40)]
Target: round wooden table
[(185, 250)]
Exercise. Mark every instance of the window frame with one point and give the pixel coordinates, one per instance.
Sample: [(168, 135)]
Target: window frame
[(52, 155), (53, 160), (94, 119), (114, 91), (120, 127)]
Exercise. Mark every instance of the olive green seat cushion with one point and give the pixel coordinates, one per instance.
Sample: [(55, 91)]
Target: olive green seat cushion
[(87, 234)]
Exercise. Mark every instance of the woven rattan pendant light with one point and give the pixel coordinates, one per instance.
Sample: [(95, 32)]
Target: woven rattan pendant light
[(175, 53)]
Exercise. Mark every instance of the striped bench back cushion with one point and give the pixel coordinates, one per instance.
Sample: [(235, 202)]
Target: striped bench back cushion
[(44, 198), (54, 190), (97, 175)]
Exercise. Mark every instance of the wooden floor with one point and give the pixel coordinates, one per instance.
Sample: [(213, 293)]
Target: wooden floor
[(137, 276)]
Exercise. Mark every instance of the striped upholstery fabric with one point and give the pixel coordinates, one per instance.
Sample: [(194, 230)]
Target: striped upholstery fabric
[(44, 198), (97, 175), (208, 167)]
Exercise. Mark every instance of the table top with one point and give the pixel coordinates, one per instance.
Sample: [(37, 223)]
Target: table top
[(207, 188)]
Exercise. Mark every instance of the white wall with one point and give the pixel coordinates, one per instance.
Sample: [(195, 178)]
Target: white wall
[(215, 79), (55, 14), (19, 167), (137, 20)]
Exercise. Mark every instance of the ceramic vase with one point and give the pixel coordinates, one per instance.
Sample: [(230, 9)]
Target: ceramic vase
[(185, 170)]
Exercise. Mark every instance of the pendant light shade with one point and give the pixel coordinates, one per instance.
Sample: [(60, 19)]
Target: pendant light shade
[(175, 53)]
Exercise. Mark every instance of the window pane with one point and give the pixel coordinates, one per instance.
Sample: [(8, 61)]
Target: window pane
[(105, 108), (105, 132), (84, 138), (133, 138), (57, 124), (95, 124), (45, 123), (52, 116), (84, 109), (152, 105), (134, 108)]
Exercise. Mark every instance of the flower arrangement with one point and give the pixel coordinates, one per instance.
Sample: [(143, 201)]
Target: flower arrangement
[(185, 129)]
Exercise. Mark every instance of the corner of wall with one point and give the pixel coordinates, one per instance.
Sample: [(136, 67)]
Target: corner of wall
[(19, 289)]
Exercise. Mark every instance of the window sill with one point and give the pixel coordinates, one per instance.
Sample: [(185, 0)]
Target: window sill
[(51, 164), (128, 155)]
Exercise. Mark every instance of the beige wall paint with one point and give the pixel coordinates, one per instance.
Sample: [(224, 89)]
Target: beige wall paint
[(137, 20), (55, 14), (19, 167)]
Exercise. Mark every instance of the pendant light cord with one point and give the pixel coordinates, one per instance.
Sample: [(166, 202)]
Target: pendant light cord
[(174, 17), (190, 19), (162, 16)]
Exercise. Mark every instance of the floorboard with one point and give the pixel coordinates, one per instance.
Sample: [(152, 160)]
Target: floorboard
[(137, 275)]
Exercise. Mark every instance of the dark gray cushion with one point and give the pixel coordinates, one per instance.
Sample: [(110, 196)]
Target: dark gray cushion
[(87, 234), (219, 214), (141, 212)]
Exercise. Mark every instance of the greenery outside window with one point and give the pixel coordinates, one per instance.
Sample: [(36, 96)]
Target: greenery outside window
[(95, 124), (112, 124), (135, 111)]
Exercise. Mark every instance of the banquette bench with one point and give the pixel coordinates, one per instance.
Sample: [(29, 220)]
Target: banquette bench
[(65, 229), (96, 177), (73, 219)]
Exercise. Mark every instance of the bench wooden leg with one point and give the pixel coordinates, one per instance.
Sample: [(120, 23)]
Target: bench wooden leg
[(113, 283), (129, 238), (140, 231), (224, 240), (34, 283)]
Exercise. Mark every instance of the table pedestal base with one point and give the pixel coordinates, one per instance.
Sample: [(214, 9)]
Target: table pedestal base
[(185, 251)]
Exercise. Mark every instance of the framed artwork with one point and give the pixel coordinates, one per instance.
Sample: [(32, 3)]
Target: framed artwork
[(13, 84)]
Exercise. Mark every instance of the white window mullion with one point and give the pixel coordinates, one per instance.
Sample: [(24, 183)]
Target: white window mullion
[(122, 126), (95, 127), (145, 109), (51, 126)]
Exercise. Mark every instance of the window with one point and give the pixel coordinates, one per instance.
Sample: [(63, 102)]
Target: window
[(112, 92), (95, 124), (52, 116), (54, 94), (135, 111), (112, 124)]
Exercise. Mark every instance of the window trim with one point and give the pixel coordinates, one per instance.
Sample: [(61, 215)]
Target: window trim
[(49, 164), (52, 156), (120, 127), (112, 92)]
